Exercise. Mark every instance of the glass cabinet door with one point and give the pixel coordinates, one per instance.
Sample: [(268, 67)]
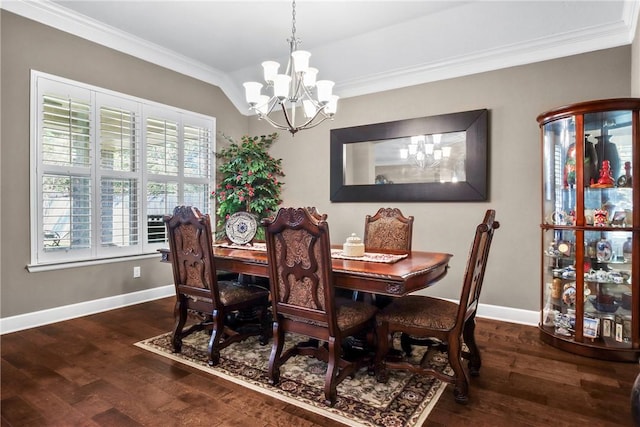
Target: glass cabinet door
[(559, 212), (608, 237), (560, 172)]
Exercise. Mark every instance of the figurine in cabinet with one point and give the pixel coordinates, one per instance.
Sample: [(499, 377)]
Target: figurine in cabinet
[(600, 218), (607, 150), (590, 165), (606, 178), (625, 180)]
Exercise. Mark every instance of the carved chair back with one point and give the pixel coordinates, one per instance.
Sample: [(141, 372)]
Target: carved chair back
[(475, 269), (388, 229), (191, 245), (299, 255)]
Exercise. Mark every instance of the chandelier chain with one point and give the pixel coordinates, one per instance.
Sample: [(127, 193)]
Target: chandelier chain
[(293, 20)]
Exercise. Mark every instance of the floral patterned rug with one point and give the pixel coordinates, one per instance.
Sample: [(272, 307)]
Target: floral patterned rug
[(405, 401)]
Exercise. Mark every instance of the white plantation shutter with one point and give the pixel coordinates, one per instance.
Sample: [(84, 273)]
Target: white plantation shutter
[(162, 146), (119, 175), (178, 166), (198, 153), (64, 225), (107, 167)]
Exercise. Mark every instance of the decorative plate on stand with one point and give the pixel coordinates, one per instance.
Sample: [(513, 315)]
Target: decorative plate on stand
[(241, 228)]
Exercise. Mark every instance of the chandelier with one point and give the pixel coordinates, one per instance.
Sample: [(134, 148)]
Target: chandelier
[(295, 88), (425, 151)]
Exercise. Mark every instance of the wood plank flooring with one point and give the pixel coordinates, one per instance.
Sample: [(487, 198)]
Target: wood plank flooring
[(86, 372)]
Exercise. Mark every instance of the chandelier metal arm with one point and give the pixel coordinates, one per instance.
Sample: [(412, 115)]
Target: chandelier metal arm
[(309, 124), (272, 122)]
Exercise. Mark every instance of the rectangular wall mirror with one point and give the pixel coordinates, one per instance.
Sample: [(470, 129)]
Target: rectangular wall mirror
[(437, 158)]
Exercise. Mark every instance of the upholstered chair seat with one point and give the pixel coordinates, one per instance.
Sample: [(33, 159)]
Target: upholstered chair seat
[(232, 293), (349, 314), (421, 312)]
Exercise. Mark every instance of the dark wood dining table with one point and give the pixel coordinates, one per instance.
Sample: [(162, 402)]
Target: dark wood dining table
[(418, 270)]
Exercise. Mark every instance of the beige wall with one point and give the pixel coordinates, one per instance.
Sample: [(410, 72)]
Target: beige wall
[(514, 98), (27, 45)]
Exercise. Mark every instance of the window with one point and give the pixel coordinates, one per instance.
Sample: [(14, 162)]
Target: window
[(106, 167)]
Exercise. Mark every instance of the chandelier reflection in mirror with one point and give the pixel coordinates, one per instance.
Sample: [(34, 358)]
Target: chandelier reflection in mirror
[(425, 153), (433, 158), (436, 158), (297, 86)]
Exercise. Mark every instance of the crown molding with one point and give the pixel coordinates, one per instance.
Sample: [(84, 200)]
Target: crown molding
[(552, 47), (52, 15), (542, 49)]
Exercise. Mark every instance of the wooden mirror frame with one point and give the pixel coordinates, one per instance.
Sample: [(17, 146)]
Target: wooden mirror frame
[(475, 188)]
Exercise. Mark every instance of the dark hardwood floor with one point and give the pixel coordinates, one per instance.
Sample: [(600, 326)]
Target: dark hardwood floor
[(86, 372)]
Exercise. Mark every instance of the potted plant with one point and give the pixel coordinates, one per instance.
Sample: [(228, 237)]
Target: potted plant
[(249, 180)]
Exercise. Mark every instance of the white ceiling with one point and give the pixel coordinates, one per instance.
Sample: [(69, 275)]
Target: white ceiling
[(364, 46)]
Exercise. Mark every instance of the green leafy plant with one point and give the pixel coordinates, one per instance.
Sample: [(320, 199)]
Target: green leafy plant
[(250, 179)]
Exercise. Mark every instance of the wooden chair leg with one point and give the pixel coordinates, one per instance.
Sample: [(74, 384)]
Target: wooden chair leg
[(265, 321), (180, 314), (405, 344), (276, 352), (461, 384), (330, 386), (475, 361), (383, 338), (216, 336)]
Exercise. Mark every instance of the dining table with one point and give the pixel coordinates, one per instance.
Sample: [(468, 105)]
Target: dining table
[(392, 273)]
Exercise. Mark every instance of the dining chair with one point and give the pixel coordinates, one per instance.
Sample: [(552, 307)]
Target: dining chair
[(448, 322), (304, 302), (314, 213), (388, 229), (218, 305)]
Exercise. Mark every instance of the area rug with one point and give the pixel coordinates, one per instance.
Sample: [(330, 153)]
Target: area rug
[(405, 401)]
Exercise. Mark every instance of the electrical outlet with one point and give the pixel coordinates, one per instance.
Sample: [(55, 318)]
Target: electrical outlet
[(136, 272)]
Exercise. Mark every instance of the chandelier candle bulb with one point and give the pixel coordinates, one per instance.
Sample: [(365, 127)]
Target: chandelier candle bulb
[(332, 105), (252, 92), (270, 71), (281, 86), (309, 78), (301, 61), (325, 87)]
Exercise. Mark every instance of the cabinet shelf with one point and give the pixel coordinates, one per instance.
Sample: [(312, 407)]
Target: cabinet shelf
[(586, 228), (591, 229)]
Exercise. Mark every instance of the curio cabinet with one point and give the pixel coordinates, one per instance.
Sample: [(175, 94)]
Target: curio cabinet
[(591, 228)]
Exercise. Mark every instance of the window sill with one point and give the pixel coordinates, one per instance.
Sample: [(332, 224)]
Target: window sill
[(37, 268)]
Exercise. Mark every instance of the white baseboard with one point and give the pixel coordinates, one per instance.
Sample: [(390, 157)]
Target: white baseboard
[(59, 314), (508, 314)]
